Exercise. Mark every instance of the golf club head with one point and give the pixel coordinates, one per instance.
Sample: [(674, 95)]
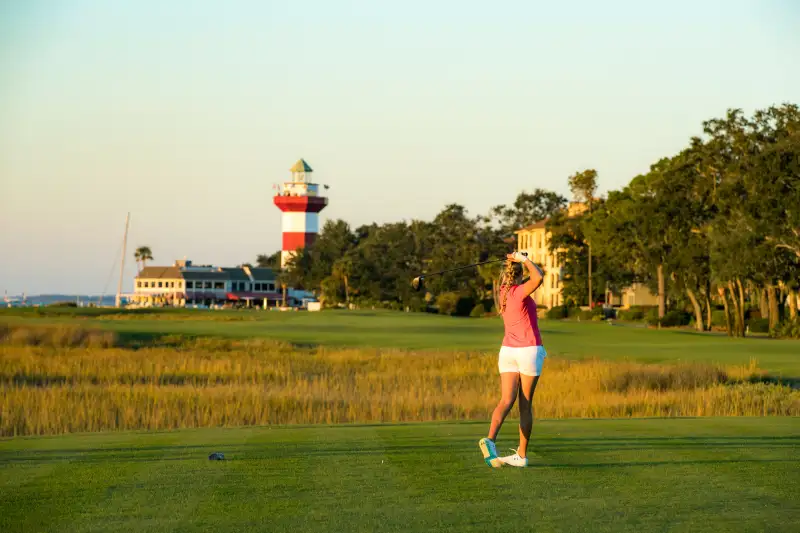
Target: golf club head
[(418, 283)]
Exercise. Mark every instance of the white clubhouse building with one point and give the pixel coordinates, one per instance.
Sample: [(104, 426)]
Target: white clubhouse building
[(186, 284)]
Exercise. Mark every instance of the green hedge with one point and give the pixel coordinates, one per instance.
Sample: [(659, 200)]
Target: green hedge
[(759, 325), (558, 312), (672, 318), (632, 315), (718, 318)]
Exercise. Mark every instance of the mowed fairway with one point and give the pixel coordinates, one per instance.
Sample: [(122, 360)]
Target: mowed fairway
[(420, 331), (719, 474)]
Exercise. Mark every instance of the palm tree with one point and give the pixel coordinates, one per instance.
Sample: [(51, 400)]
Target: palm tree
[(343, 269), (143, 254)]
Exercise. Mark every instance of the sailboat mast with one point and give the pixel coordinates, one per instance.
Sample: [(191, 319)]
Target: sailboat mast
[(122, 262)]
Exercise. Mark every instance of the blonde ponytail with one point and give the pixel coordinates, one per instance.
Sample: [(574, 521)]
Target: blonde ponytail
[(506, 282)]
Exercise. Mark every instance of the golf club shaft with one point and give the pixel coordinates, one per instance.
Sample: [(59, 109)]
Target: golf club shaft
[(463, 267)]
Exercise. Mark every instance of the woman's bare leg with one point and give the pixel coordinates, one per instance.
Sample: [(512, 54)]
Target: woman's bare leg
[(508, 387), (527, 386)]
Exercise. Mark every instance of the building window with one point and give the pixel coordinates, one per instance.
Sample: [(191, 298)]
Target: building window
[(180, 284), (159, 284), (259, 287), (271, 287), (190, 285), (207, 285), (138, 284), (219, 285)]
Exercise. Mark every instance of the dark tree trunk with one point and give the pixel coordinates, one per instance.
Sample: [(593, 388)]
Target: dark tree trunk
[(763, 306), (737, 325), (591, 300), (724, 295), (774, 317), (741, 305), (662, 304), (698, 313)]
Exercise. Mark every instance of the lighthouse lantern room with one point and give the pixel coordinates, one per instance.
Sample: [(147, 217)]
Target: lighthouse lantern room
[(300, 201)]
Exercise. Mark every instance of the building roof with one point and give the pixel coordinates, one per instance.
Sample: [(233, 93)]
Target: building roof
[(536, 225), (156, 272), (206, 274), (263, 274), (301, 166), (236, 274)]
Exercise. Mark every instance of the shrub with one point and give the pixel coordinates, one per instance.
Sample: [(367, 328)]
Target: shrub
[(599, 311), (651, 317), (788, 329), (478, 311), (633, 315), (759, 325), (671, 319), (585, 315), (63, 304), (558, 312), (718, 318), (447, 303), (573, 312), (676, 317), (464, 305)]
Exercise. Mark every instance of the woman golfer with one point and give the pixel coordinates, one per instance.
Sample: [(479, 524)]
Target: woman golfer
[(521, 358)]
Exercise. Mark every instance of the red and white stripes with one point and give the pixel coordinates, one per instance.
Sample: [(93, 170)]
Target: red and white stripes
[(300, 222)]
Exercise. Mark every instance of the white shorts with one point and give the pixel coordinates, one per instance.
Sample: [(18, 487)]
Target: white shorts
[(527, 360)]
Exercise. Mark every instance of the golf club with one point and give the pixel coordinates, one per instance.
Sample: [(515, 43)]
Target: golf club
[(419, 282)]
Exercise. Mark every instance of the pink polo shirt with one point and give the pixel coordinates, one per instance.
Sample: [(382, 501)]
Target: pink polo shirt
[(519, 319)]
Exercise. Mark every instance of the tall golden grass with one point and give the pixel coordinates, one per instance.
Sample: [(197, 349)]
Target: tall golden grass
[(48, 388)]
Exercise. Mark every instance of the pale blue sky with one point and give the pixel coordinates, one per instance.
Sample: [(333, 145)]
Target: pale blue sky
[(185, 113)]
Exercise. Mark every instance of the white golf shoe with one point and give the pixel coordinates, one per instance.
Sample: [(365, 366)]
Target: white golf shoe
[(515, 460), (489, 451)]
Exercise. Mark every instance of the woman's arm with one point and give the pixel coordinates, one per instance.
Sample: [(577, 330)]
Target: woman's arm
[(536, 274)]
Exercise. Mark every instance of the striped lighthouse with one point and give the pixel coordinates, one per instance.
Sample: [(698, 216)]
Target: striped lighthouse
[(301, 202)]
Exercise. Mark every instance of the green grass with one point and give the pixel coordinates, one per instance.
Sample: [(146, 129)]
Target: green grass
[(718, 474), (425, 331)]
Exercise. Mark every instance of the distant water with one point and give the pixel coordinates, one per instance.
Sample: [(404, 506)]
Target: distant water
[(47, 299)]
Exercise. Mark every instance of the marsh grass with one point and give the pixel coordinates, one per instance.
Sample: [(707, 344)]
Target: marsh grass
[(64, 380), (58, 336)]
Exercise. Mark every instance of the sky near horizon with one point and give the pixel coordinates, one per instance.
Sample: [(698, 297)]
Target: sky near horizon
[(186, 113)]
